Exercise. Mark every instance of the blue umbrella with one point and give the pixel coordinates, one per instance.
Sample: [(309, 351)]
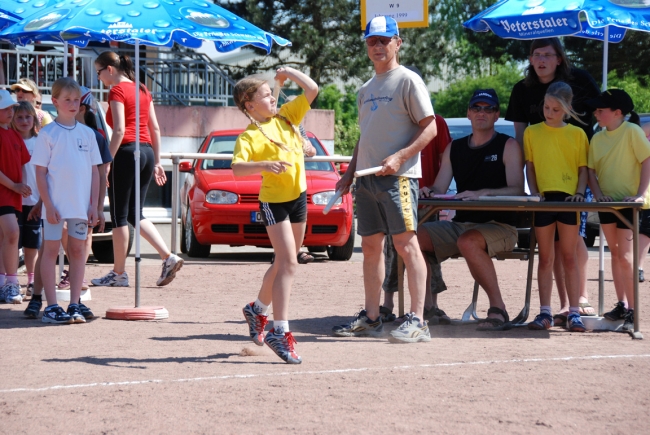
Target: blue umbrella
[(148, 22), (606, 20)]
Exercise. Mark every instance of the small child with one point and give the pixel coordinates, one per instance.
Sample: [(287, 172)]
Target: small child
[(25, 123), (66, 158), (13, 155), (556, 169), (272, 145), (619, 170)]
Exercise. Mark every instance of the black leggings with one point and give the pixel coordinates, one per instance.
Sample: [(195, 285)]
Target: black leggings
[(121, 193)]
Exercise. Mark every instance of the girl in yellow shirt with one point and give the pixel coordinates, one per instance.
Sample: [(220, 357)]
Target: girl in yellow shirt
[(619, 170), (556, 169), (273, 146)]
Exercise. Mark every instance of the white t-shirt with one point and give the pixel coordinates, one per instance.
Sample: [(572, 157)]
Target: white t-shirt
[(69, 156), (391, 105), (29, 174)]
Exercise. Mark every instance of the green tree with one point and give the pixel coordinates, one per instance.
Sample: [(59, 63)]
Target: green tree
[(633, 85), (346, 128), (452, 102)]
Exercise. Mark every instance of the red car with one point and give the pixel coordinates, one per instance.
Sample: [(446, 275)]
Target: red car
[(219, 209)]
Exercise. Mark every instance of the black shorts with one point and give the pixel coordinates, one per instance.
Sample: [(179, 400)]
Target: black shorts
[(546, 218), (644, 223), (610, 218), (31, 235), (275, 212), (7, 209)]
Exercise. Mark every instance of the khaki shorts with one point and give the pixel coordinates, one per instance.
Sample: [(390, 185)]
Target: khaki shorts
[(444, 237)]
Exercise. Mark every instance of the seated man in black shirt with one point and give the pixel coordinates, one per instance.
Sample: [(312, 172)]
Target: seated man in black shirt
[(483, 163)]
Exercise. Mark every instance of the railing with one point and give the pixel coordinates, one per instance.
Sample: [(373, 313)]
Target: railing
[(176, 159), (45, 67), (173, 78)]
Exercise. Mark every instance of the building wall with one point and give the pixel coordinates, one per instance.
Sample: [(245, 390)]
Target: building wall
[(184, 128)]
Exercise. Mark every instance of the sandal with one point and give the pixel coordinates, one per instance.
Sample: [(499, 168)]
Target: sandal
[(386, 315), (584, 305), (304, 258), (560, 319), (492, 323)]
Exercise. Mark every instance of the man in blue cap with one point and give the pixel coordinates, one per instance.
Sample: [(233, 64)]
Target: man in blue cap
[(485, 163), (396, 120)]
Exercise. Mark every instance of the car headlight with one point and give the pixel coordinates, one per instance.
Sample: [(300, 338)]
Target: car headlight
[(324, 197), (220, 197)]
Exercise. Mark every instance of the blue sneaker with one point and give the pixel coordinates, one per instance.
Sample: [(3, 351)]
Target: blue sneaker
[(542, 322), (282, 345), (55, 314), (75, 313), (33, 308), (574, 323)]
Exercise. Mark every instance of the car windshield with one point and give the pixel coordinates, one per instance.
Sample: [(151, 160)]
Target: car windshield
[(226, 145)]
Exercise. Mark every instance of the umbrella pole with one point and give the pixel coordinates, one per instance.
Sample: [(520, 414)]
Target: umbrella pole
[(605, 57), (65, 59), (137, 174)]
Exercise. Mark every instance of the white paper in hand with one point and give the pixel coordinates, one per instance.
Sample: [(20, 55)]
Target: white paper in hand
[(369, 171), (332, 201), (276, 91)]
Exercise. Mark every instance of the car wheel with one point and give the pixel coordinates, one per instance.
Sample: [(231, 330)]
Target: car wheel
[(343, 253), (103, 251), (193, 247)]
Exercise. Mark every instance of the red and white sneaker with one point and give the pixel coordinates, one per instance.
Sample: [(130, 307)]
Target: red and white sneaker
[(256, 324), (282, 345), (64, 284)]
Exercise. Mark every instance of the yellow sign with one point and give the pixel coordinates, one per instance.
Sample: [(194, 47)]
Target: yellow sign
[(407, 13)]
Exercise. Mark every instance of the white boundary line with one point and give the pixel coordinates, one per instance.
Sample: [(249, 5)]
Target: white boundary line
[(320, 372)]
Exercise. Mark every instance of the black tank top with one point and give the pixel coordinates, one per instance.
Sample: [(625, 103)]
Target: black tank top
[(480, 168)]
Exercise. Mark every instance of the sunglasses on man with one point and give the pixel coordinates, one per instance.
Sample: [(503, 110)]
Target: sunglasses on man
[(383, 40), (486, 109), (15, 91)]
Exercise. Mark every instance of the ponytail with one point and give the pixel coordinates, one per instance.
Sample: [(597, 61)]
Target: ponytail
[(122, 63), (634, 118)]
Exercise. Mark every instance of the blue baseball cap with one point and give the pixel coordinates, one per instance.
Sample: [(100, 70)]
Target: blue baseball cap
[(487, 96), (381, 26)]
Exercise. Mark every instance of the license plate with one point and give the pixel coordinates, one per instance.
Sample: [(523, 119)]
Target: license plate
[(256, 217)]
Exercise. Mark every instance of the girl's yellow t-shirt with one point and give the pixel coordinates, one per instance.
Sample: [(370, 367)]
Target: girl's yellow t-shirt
[(253, 146), (557, 154)]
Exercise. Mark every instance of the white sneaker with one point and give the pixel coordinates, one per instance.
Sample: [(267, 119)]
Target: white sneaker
[(112, 279), (170, 266), (11, 293)]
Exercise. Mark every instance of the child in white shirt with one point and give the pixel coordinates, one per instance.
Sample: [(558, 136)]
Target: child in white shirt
[(66, 158)]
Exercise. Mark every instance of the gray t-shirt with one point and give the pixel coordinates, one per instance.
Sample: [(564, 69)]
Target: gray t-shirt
[(390, 107)]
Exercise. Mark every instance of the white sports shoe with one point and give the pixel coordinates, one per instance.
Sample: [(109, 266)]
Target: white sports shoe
[(11, 293), (170, 266), (112, 279)]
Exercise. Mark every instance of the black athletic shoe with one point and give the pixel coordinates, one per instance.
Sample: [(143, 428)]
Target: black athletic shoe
[(33, 308), (619, 312), (628, 324), (85, 311)]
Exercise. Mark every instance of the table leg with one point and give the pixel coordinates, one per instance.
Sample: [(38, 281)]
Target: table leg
[(635, 273), (400, 284)]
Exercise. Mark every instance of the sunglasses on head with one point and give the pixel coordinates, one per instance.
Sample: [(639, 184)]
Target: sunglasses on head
[(486, 109), (373, 40)]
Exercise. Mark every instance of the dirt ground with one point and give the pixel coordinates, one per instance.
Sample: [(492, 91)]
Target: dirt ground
[(198, 372)]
